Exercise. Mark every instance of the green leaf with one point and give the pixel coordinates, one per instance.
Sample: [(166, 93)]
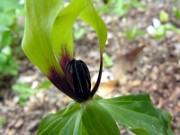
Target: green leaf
[(176, 12), (166, 119), (88, 118), (7, 19), (3, 58), (108, 62), (37, 36), (44, 85), (6, 5), (24, 91), (12, 69), (121, 7), (78, 32), (6, 38), (2, 121), (7, 51), (136, 113), (164, 16), (97, 120), (8, 11), (159, 32), (95, 117), (66, 121), (169, 26), (2, 30), (61, 123), (139, 131), (133, 32), (139, 5)]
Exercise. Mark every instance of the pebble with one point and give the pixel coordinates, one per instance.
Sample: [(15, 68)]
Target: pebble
[(19, 123), (33, 126)]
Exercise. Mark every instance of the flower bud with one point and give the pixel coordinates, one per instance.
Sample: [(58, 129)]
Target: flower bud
[(78, 77)]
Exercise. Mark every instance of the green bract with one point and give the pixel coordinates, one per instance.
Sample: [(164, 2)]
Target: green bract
[(37, 43)]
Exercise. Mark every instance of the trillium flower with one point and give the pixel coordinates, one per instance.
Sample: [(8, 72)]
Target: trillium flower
[(48, 43)]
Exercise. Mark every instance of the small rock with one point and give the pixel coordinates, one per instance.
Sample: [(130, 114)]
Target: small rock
[(27, 79), (33, 126), (177, 49), (11, 132), (19, 123), (11, 124), (16, 99), (156, 22)]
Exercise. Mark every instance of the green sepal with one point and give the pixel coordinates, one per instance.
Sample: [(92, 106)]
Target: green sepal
[(49, 35), (62, 37), (90, 16), (40, 17)]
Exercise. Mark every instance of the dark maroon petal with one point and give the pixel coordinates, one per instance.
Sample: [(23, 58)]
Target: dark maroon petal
[(68, 75), (65, 58), (75, 80), (60, 82), (99, 77)]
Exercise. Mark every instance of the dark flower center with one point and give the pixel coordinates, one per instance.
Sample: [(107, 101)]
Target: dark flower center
[(78, 77)]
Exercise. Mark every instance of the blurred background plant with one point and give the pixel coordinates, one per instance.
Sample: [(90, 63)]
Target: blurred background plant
[(162, 25), (134, 32), (120, 7), (25, 91), (2, 121), (176, 12), (11, 30)]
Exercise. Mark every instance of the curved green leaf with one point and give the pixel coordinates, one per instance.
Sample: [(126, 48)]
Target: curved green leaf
[(65, 122), (166, 119), (40, 16), (136, 113)]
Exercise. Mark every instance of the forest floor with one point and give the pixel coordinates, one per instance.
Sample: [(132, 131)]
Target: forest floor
[(142, 65)]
